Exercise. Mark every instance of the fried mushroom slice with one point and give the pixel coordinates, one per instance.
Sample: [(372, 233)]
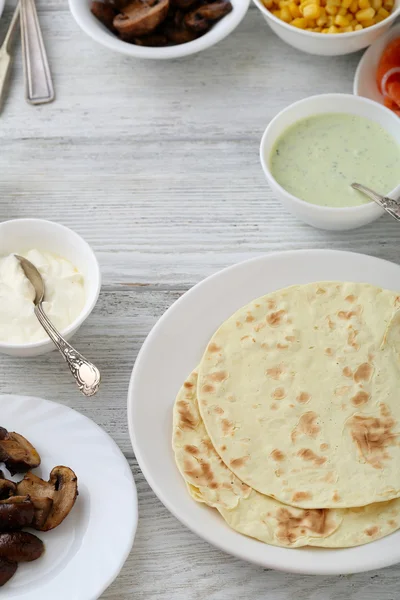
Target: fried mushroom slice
[(7, 570), (183, 4), (202, 18), (42, 508), (140, 17), (176, 31), (15, 513), (105, 13), (62, 489), (7, 489), (20, 546), (17, 453)]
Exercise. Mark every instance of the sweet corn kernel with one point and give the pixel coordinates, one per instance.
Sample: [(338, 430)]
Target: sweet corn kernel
[(376, 4), (354, 7), (341, 21), (363, 4), (353, 23), (346, 3), (277, 13), (321, 21), (332, 10), (368, 23), (317, 29), (299, 23), (333, 29), (348, 29), (388, 4), (358, 27), (325, 30), (268, 4), (285, 14), (311, 11), (382, 12), (342, 11), (365, 14), (294, 10)]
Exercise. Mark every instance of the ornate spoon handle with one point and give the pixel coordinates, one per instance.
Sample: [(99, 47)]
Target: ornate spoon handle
[(389, 204), (86, 375)]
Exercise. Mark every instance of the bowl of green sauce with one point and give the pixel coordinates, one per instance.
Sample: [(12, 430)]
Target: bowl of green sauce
[(313, 151)]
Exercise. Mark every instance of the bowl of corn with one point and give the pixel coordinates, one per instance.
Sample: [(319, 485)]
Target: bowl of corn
[(329, 27)]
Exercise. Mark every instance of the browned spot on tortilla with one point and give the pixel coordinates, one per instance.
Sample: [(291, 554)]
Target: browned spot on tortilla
[(275, 372), (303, 398), (259, 326), (307, 425), (199, 470), (204, 402), (330, 477), (320, 291), (351, 339), (187, 419), (264, 346), (274, 406), (290, 338), (360, 398), (207, 443), (370, 531), (347, 315), (347, 372), (227, 427), (223, 448), (342, 391), (218, 410), (213, 348), (218, 376), (331, 324), (309, 455), (271, 304), (301, 496), (236, 463), (335, 497), (250, 318), (282, 346), (392, 523), (384, 410), (363, 372), (372, 435), (188, 385), (275, 318), (208, 388), (291, 524), (397, 301), (291, 405), (213, 485), (279, 393), (277, 455), (328, 351), (324, 447), (239, 324), (351, 298), (191, 449)]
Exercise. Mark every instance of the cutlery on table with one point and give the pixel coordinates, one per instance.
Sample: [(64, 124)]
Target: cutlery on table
[(5, 55), (86, 375), (38, 81), (389, 204)]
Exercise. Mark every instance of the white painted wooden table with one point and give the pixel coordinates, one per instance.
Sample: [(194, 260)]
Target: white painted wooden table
[(156, 165)]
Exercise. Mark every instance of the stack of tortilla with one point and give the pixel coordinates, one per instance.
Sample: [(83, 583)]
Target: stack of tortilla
[(290, 425)]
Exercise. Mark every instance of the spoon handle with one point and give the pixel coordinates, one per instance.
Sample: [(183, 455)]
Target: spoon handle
[(391, 206), (86, 375), (39, 84)]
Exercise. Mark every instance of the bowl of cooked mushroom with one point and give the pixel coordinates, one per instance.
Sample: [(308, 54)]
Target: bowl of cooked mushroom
[(158, 29)]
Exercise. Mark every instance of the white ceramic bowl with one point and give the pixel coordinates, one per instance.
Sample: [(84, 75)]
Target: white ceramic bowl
[(323, 217), (329, 44), (21, 235), (91, 25), (365, 77)]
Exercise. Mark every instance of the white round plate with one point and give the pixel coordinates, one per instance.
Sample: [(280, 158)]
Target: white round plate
[(175, 346), (364, 80), (86, 552)]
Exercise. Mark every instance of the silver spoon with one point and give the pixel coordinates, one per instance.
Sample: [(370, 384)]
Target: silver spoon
[(391, 206), (5, 53), (86, 375)]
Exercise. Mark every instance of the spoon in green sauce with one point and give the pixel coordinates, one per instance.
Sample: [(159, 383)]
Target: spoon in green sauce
[(389, 204)]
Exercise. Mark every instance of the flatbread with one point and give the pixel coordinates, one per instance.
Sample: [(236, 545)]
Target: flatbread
[(299, 393), (210, 481)]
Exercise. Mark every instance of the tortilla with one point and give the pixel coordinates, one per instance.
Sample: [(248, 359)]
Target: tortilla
[(210, 481), (299, 393)]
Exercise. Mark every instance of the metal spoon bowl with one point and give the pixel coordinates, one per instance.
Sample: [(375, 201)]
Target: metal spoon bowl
[(86, 374)]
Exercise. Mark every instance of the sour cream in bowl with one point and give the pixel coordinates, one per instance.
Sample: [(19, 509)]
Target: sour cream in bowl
[(313, 150), (72, 284)]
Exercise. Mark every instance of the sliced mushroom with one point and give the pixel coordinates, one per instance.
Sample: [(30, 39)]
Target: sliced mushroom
[(7, 489), (42, 508), (62, 489), (7, 570), (105, 13), (140, 17), (20, 546), (16, 513), (176, 31), (17, 453), (184, 4), (201, 19)]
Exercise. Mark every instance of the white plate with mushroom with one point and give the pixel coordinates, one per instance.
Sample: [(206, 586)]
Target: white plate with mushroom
[(85, 553)]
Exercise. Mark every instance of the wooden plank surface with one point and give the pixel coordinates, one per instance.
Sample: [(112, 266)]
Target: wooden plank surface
[(156, 165)]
